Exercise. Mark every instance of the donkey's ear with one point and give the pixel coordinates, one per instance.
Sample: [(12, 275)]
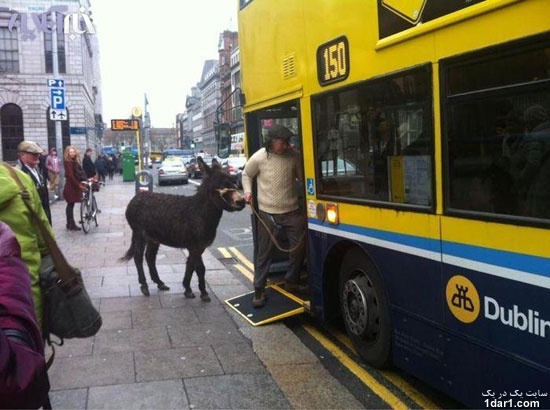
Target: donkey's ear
[(205, 169), (216, 164)]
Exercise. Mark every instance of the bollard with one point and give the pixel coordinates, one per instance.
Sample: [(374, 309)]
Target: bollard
[(144, 182)]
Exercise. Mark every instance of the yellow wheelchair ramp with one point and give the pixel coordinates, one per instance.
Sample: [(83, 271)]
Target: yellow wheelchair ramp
[(280, 305)]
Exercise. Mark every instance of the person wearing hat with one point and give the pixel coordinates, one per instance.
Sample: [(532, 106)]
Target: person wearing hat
[(276, 168), (29, 162)]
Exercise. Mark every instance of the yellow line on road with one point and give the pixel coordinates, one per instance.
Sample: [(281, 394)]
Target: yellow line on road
[(420, 399), (242, 258), (225, 253), (245, 272), (380, 390)]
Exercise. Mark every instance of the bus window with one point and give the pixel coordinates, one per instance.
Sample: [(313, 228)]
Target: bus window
[(498, 132), (374, 141)]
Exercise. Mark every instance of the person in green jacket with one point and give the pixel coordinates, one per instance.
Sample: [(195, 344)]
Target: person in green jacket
[(15, 213)]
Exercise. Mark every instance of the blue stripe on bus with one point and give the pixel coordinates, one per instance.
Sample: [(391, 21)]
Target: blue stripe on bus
[(511, 260), (532, 264)]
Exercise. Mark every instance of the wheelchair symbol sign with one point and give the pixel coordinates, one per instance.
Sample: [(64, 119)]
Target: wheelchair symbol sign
[(310, 186)]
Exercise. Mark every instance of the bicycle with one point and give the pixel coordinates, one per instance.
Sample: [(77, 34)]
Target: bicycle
[(88, 206)]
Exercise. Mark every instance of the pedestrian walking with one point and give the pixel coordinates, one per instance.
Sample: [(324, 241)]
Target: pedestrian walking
[(53, 165), (74, 175)]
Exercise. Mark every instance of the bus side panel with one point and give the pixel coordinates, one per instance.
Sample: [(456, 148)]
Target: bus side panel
[(447, 357), (517, 323), (411, 282), (457, 363)]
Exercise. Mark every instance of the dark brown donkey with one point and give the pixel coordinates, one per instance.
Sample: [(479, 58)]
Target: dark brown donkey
[(180, 222)]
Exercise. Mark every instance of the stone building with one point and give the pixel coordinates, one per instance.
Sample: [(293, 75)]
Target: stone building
[(31, 100)]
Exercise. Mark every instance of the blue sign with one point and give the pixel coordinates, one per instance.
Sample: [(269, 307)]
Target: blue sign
[(57, 98), (310, 186), (78, 130), (58, 83)]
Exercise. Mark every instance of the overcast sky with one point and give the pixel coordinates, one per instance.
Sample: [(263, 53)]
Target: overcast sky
[(156, 47)]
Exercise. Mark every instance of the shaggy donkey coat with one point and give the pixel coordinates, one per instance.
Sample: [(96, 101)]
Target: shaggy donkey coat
[(180, 222)]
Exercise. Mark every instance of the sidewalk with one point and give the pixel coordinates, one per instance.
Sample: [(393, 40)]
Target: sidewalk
[(168, 352)]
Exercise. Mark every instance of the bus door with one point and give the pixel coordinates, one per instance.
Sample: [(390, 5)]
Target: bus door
[(281, 304), (257, 125)]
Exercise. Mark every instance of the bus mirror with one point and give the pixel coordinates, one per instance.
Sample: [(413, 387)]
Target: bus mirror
[(223, 138)]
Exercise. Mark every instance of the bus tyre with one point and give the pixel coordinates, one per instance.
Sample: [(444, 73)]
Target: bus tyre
[(365, 309)]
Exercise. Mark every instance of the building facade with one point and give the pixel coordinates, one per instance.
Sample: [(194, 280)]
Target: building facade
[(216, 98), (40, 84)]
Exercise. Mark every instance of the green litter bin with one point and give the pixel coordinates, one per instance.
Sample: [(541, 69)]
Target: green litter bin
[(128, 167)]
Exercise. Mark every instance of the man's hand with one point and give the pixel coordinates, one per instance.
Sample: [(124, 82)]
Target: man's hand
[(248, 198)]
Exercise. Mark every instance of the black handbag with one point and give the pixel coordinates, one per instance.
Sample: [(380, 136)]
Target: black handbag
[(68, 310)]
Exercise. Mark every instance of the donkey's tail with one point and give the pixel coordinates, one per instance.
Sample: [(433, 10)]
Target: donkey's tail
[(130, 252)]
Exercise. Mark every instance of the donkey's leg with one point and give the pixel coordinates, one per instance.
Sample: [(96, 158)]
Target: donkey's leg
[(201, 270), (151, 256), (139, 241), (189, 268)]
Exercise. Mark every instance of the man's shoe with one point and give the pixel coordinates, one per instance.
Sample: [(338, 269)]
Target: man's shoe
[(295, 287), (260, 298)]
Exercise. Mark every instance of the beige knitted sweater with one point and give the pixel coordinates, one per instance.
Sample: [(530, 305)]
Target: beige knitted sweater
[(276, 177)]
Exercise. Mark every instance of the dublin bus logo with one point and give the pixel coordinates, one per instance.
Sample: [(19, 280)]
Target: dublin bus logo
[(29, 24)]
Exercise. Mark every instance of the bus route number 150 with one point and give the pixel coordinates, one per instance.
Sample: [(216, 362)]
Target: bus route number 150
[(333, 61)]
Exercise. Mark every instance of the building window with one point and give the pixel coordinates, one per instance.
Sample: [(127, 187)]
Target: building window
[(11, 120), (65, 132), (9, 51), (48, 52)]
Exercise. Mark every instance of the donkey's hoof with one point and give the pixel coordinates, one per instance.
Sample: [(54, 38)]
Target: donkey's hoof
[(205, 297), (163, 287), (144, 290), (189, 294)]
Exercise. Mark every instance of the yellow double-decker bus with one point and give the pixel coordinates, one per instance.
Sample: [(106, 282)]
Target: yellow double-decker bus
[(425, 136)]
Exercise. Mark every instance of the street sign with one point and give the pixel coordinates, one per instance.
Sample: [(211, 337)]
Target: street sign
[(57, 83), (58, 115), (57, 98), (122, 125)]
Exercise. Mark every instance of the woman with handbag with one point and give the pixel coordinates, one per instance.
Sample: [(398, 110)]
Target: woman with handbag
[(15, 213), (74, 175)]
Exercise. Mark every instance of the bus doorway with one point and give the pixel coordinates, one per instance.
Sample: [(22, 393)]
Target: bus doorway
[(257, 125)]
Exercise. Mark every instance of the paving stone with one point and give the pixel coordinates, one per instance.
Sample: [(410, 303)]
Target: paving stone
[(241, 391), (288, 349), (120, 319), (128, 340), (238, 358), (164, 317), (304, 391), (176, 363), (74, 347), (208, 313), (69, 399), (108, 291), (204, 334), (127, 303), (169, 394), (221, 277), (96, 370)]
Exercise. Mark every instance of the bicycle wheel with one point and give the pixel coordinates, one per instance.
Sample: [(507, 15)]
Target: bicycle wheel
[(94, 210), (85, 215)]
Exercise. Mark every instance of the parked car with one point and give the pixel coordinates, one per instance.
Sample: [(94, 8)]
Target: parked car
[(172, 169), (193, 169), (233, 165), (343, 167)]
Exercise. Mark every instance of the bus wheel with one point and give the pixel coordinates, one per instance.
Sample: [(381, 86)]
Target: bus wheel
[(365, 309)]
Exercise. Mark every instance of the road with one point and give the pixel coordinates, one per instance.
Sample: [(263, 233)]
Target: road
[(371, 387)]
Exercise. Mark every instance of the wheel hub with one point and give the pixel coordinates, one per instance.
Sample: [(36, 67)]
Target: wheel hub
[(356, 308)]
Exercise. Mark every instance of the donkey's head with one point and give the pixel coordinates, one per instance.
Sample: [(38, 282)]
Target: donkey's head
[(220, 187)]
